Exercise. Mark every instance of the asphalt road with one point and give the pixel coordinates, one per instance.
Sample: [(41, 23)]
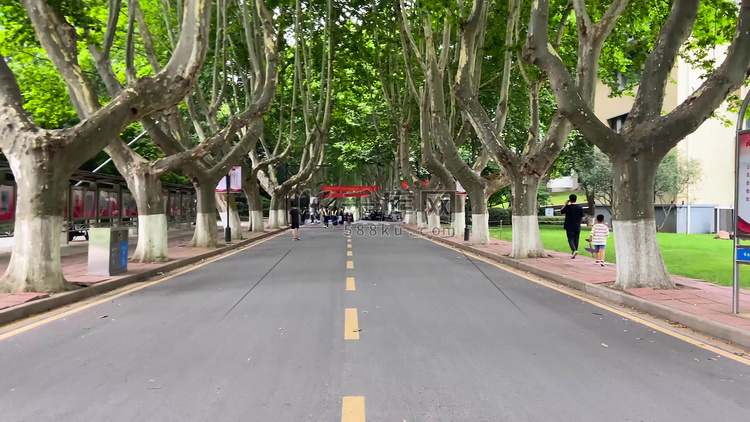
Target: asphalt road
[(260, 336)]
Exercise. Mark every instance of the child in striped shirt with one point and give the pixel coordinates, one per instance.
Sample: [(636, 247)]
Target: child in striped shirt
[(598, 237)]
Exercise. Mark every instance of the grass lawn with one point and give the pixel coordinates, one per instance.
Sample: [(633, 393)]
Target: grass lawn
[(690, 255), (559, 198)]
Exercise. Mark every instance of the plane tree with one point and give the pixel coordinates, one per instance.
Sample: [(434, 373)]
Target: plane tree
[(44, 160), (649, 132)]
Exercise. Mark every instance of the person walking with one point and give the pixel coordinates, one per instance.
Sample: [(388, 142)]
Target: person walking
[(294, 214), (598, 238), (326, 215), (573, 218)]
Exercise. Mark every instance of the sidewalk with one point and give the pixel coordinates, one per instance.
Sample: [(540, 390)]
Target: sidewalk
[(74, 261), (701, 299)]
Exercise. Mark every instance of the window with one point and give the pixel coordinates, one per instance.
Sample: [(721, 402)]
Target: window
[(616, 123), (622, 80)]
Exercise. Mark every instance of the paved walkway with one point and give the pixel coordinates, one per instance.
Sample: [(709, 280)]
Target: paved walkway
[(697, 297), (376, 327), (74, 259)]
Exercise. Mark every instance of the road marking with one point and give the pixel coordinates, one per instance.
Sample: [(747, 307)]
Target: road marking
[(610, 308), (349, 246), (349, 240), (348, 253), (353, 409), (349, 265), (350, 284), (80, 308), (351, 324)]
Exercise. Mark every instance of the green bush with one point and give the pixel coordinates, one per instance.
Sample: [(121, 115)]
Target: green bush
[(499, 216), (556, 220)]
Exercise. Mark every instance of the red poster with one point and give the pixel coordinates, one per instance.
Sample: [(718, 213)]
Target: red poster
[(78, 203), (89, 206), (743, 186), (7, 203)]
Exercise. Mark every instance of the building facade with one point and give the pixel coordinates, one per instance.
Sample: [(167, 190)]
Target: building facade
[(704, 207)]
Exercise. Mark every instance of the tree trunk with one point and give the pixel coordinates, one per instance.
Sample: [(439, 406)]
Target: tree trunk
[(35, 262), (254, 204), (480, 217), (434, 205), (458, 225), (152, 221), (206, 229), (527, 242), (276, 212), (639, 260), (234, 216), (407, 203), (419, 211), (591, 202)]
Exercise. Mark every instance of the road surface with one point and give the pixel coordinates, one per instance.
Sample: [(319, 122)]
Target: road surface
[(423, 333)]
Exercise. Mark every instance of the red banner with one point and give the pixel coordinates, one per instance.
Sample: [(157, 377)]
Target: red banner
[(347, 195), (367, 188), (424, 182)]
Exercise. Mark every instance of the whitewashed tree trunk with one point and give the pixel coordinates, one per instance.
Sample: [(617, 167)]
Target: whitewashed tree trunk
[(234, 216), (480, 218), (642, 265), (458, 225), (256, 221), (254, 204), (527, 242), (35, 262), (206, 230), (433, 213), (639, 260), (480, 229), (274, 222), (152, 243), (433, 222), (409, 217), (421, 220)]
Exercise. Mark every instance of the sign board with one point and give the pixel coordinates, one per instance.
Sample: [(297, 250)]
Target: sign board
[(743, 255), (549, 212), (743, 186), (235, 181), (124, 254), (460, 189)]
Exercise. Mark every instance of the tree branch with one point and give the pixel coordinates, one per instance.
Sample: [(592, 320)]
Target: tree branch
[(12, 115), (659, 64), (735, 69)]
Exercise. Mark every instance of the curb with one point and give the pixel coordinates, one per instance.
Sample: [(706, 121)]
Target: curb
[(698, 323), (28, 309)]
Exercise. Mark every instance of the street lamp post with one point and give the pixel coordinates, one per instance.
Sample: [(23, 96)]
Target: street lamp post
[(228, 228), (466, 214)]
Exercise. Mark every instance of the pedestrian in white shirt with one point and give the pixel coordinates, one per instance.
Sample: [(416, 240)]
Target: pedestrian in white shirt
[(598, 238)]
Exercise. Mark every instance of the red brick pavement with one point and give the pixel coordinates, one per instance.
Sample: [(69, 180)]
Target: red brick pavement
[(697, 297), (75, 265)]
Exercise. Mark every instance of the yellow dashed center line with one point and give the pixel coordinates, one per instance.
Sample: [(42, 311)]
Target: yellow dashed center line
[(351, 324), (353, 409), (349, 246), (348, 253), (350, 265), (350, 284)]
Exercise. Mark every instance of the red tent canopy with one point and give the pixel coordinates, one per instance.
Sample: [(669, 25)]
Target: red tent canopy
[(365, 188), (347, 195), (424, 182)]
